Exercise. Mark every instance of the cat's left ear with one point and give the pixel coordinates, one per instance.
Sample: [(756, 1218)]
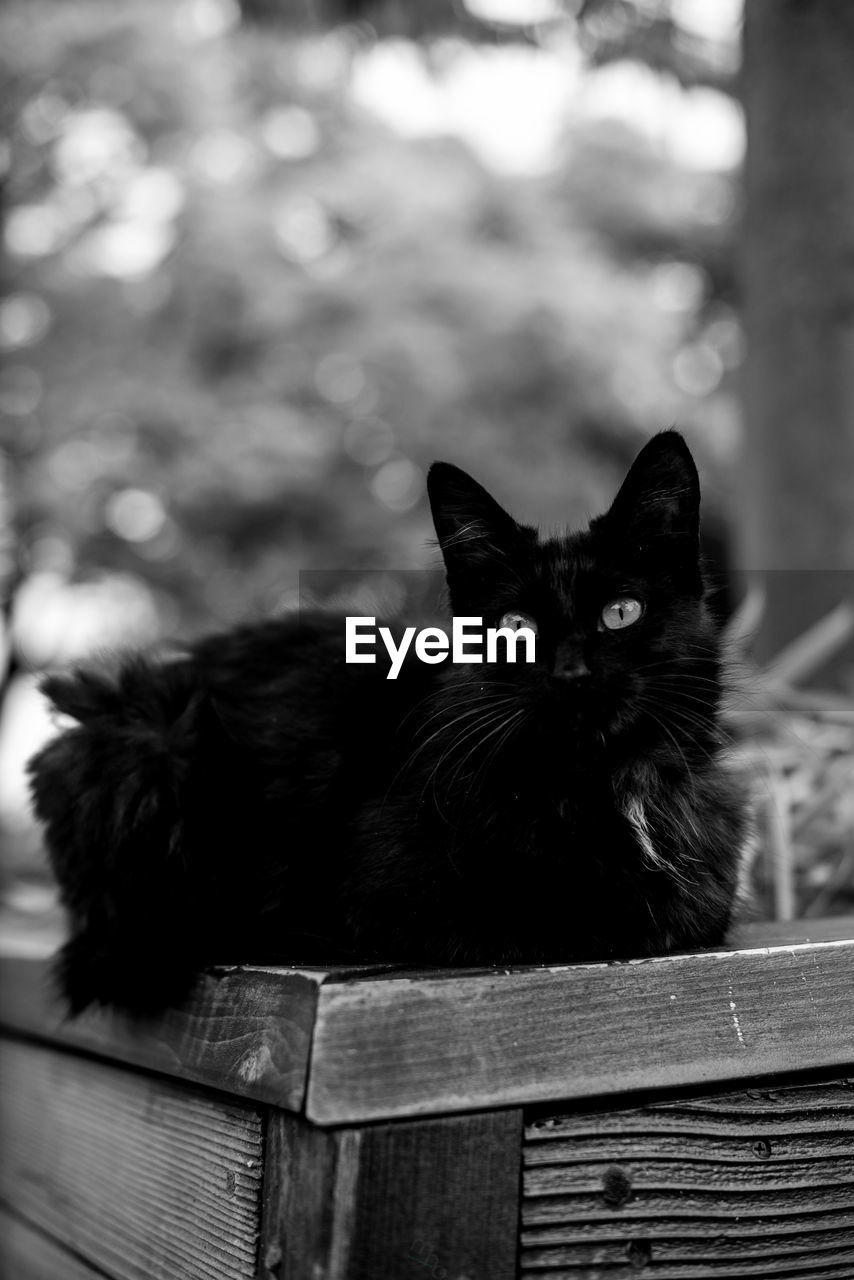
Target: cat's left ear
[(476, 535), (660, 496)]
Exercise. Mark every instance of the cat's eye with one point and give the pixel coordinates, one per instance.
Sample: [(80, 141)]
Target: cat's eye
[(513, 621), (620, 613)]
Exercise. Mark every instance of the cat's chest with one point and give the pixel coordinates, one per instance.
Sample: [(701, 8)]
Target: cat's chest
[(589, 819)]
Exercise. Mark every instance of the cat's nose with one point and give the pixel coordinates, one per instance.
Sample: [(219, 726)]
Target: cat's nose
[(570, 665)]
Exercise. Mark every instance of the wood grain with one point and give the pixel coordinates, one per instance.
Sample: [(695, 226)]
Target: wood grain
[(142, 1178), (386, 1201), (454, 1042), (247, 1031), (26, 1254), (759, 1183), (378, 1043)]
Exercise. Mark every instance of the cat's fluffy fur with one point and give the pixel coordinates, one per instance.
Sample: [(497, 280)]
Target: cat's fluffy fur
[(259, 799)]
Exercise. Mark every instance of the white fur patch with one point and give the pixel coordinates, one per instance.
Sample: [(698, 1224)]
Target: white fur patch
[(635, 812)]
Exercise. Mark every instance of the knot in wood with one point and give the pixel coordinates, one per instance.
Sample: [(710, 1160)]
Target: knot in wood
[(639, 1253), (616, 1187)]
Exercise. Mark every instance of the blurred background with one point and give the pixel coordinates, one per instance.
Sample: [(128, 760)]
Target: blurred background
[(265, 261)]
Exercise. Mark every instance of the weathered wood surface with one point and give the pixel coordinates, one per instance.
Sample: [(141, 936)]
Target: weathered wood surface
[(142, 1178), (374, 1203), (26, 1254), (758, 1183), (367, 1044), (402, 1046), (247, 1031)]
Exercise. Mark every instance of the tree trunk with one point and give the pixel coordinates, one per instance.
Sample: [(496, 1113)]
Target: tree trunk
[(798, 273)]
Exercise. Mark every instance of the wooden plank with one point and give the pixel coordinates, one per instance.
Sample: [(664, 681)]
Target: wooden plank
[(244, 1030), (636, 1261), (756, 1183), (26, 1254), (370, 1204), (142, 1178), (465, 1039), (462, 1042)]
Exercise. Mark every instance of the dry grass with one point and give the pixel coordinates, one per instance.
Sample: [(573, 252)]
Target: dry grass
[(798, 744)]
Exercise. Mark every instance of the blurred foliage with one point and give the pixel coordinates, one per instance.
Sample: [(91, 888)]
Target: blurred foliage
[(243, 314), (648, 31)]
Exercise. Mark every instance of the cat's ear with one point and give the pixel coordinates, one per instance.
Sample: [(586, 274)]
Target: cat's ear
[(470, 524), (660, 496)]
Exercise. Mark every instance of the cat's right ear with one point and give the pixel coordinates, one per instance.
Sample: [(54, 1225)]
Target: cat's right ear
[(473, 530)]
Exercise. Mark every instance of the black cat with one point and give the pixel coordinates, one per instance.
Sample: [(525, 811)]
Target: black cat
[(261, 799)]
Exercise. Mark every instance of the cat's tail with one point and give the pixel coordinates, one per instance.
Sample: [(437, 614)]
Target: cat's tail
[(109, 791)]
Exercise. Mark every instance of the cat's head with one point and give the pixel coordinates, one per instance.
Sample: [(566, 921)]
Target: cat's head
[(624, 638)]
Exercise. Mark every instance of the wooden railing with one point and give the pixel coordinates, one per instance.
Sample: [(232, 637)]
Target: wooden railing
[(679, 1117)]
